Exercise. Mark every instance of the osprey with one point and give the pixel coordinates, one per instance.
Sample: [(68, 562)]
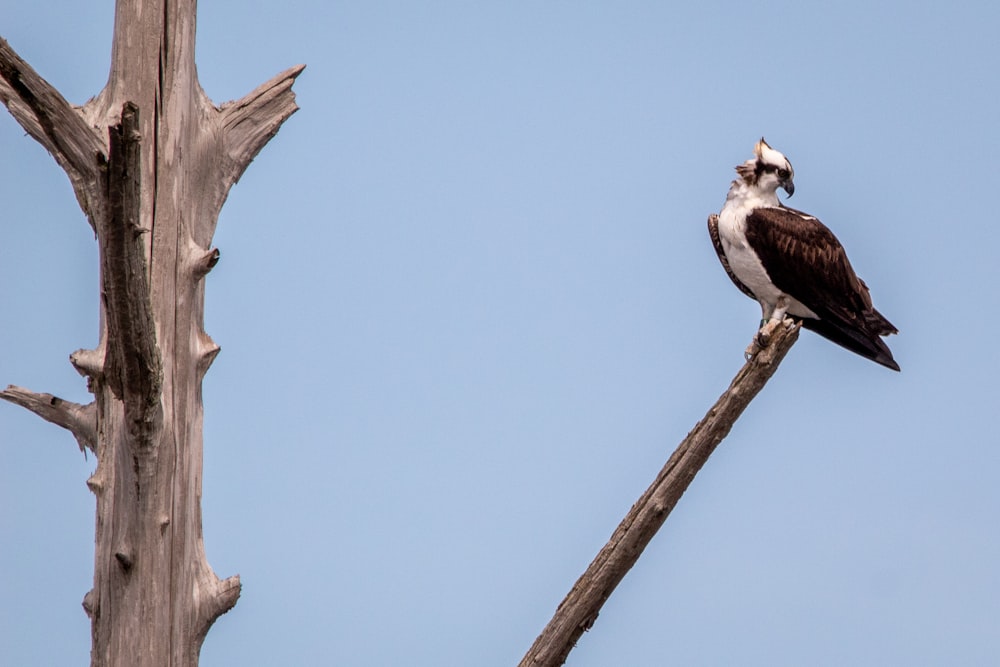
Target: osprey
[(791, 263)]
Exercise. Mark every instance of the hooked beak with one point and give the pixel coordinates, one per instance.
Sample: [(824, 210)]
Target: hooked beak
[(788, 186)]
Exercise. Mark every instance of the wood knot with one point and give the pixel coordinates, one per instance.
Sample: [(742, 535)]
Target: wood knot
[(95, 483), (124, 560), (90, 603)]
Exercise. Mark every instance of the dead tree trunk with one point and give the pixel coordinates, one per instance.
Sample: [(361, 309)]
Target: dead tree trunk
[(579, 609), (151, 161)]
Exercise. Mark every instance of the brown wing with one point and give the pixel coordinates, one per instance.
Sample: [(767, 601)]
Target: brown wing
[(806, 261), (713, 232)]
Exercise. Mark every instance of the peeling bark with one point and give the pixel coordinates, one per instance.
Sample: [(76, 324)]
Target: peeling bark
[(151, 160), (132, 367)]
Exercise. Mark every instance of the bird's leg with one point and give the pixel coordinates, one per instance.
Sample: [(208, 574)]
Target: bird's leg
[(776, 316), (773, 317)]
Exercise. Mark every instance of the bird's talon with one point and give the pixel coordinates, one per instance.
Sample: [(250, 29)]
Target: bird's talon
[(763, 336)]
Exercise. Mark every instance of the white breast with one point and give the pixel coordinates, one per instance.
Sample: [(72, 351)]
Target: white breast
[(743, 261)]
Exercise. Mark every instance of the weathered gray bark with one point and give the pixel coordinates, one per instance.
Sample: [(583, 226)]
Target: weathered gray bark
[(578, 611), (151, 161)]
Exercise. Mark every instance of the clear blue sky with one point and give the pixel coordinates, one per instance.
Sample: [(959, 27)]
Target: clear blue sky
[(467, 307)]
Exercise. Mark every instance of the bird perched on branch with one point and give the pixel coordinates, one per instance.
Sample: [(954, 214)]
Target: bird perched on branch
[(791, 264)]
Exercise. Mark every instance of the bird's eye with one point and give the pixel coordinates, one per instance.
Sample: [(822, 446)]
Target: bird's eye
[(783, 173)]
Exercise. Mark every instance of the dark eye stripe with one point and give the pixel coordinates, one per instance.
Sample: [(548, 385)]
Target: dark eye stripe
[(770, 169)]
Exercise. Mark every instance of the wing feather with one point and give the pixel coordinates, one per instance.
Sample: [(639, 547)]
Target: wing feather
[(805, 260)]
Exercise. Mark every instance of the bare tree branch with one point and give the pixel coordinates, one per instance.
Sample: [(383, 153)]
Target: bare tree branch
[(80, 420), (55, 123), (580, 608), (250, 122)]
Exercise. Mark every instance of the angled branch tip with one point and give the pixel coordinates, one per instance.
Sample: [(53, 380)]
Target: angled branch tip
[(80, 420), (250, 122), (580, 608)]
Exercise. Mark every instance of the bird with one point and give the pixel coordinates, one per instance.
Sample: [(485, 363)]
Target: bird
[(792, 264)]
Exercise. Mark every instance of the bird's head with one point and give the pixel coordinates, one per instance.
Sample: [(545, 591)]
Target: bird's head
[(768, 170)]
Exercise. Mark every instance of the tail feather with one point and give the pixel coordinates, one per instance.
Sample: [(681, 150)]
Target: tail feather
[(878, 324), (867, 345)]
